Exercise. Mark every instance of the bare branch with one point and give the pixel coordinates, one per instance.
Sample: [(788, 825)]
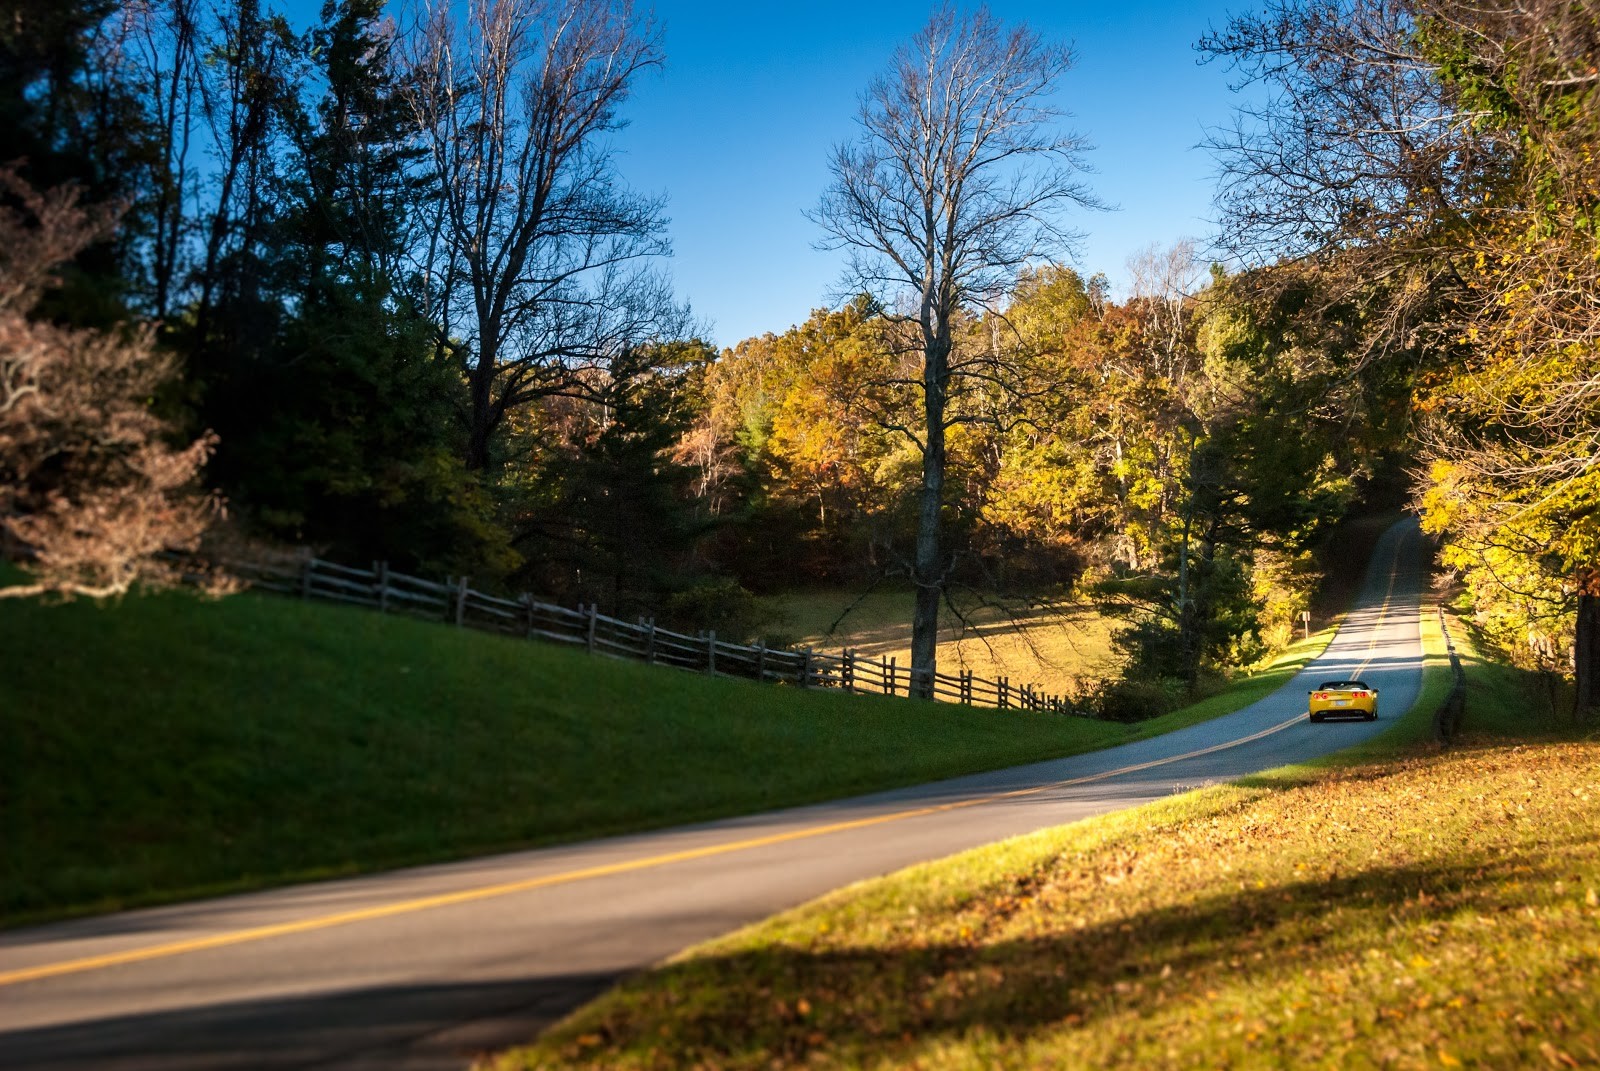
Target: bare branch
[(537, 259)]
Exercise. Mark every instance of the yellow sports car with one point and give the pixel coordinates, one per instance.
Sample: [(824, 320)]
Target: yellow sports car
[(1344, 697)]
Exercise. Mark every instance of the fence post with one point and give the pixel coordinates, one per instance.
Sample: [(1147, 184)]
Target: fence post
[(650, 645), (891, 674), (594, 620), (382, 569), (805, 668), (308, 566), (847, 671), (1004, 686), (1447, 719), (527, 604), (711, 653), (761, 661), (461, 600)]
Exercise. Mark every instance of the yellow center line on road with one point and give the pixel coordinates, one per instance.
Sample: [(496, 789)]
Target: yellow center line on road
[(467, 896), (1383, 612)]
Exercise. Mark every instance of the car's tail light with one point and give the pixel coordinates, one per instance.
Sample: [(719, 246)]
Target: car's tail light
[(1359, 695), (1319, 695)]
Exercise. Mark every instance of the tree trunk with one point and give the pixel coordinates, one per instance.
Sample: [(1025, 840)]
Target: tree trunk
[(928, 567), (1185, 600), (1200, 610), (1586, 657), (481, 418)]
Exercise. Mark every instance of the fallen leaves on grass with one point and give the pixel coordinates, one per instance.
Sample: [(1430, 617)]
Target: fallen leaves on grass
[(1434, 911)]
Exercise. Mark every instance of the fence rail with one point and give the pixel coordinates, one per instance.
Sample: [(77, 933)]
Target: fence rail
[(456, 602)]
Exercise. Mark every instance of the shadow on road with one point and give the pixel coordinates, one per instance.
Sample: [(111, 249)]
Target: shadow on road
[(394, 1028)]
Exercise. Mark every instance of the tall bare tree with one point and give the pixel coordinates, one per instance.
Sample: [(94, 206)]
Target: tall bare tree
[(537, 257), (956, 182)]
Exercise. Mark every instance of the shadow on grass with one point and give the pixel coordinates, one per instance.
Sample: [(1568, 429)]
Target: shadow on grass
[(1506, 701), (785, 1001)]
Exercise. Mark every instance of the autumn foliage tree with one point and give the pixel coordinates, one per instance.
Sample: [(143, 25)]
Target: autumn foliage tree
[(91, 491), (1513, 432), (1433, 163), (1184, 455)]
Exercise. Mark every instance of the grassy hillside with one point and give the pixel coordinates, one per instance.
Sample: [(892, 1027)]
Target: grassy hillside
[(1404, 907), (168, 746), (1053, 648)]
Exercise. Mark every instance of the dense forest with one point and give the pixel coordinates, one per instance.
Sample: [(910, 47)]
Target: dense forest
[(377, 286)]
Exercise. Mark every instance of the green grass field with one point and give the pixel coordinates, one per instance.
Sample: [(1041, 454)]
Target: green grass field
[(171, 746), (1054, 647), (1399, 907)]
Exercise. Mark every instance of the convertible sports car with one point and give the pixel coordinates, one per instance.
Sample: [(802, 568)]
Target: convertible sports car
[(1344, 697)]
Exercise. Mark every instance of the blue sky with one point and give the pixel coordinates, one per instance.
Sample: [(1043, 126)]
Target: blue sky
[(737, 130)]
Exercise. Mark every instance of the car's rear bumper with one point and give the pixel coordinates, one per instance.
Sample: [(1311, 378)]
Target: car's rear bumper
[(1328, 710)]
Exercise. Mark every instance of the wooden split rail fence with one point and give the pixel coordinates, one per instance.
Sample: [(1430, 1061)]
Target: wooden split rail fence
[(455, 601)]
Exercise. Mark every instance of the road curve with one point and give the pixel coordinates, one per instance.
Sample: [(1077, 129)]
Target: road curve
[(425, 968)]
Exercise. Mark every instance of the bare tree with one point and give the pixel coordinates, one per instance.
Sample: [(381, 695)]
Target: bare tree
[(1162, 283), (1349, 137), (536, 258), (1351, 158), (90, 492), (954, 185), (164, 43)]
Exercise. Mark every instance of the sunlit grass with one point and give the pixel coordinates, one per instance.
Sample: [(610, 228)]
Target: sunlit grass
[(1055, 647), (1401, 906)]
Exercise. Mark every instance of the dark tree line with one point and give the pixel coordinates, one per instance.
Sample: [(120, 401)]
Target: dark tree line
[(371, 248)]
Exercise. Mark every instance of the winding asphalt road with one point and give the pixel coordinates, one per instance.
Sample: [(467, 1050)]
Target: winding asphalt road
[(424, 968)]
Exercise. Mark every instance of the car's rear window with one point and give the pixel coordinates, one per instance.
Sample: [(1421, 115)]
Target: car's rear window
[(1342, 686)]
